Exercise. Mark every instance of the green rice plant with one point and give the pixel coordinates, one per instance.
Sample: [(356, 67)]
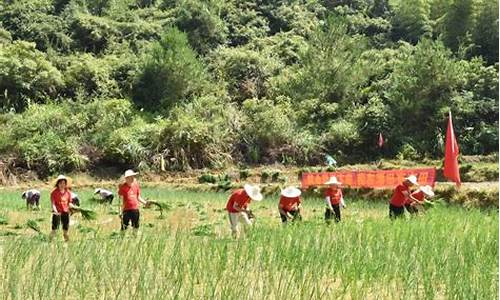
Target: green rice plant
[(203, 230), (365, 256), (33, 225), (87, 214), (162, 206), (4, 220)]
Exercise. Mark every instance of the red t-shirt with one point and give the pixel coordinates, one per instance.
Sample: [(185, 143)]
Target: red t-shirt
[(334, 194), (399, 198), (61, 200), (130, 194), (287, 204), (419, 195), (240, 197)]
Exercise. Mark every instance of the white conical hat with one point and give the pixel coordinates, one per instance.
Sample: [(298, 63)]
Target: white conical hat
[(412, 179), (291, 192), (333, 180), (129, 173), (253, 191), (427, 190)]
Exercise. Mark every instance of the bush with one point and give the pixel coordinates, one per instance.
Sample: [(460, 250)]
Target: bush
[(244, 174), (207, 178), (171, 74), (26, 76), (202, 133), (407, 152)]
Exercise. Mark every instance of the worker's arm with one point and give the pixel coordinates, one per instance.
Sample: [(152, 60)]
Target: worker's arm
[(328, 202), (144, 202)]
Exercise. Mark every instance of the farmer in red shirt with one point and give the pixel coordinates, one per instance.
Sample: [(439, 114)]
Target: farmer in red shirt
[(130, 192), (289, 205), (401, 196), (412, 205), (61, 204), (237, 206), (333, 200)]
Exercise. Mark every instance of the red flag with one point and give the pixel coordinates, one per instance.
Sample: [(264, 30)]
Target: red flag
[(451, 169), (380, 140)]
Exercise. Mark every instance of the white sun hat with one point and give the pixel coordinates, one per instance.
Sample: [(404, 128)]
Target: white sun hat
[(427, 190), (291, 192), (333, 180), (412, 179), (253, 191), (130, 173)]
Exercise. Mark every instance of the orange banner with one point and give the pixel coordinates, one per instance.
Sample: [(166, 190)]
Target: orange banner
[(370, 178)]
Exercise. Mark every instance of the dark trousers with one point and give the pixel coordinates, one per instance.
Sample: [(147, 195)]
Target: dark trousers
[(396, 212), (33, 201), (62, 218), (109, 199), (130, 216), (295, 214), (329, 213)]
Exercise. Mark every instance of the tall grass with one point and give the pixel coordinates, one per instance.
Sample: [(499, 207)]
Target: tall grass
[(447, 253)]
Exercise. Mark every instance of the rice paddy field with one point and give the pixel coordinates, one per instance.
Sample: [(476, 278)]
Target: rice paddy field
[(188, 253)]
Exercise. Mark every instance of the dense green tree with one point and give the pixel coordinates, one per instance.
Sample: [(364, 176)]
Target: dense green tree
[(26, 76), (485, 31), (170, 74), (411, 21), (457, 23), (202, 23), (34, 21)]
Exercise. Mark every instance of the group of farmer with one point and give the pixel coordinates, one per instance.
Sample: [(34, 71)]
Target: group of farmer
[(64, 201), (290, 204)]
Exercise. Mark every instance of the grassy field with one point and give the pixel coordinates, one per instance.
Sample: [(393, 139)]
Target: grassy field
[(448, 253)]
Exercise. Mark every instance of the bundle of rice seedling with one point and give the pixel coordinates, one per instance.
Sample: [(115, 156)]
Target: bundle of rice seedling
[(33, 225), (162, 206), (87, 214)]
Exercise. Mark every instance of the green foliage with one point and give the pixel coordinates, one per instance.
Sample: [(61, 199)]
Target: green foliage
[(207, 178), (485, 31), (407, 152), (35, 21), (457, 23), (26, 76), (220, 82), (202, 24), (245, 71), (244, 22), (411, 21), (170, 74), (200, 133)]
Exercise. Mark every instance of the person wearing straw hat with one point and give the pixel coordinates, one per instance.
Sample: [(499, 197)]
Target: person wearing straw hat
[(32, 198), (130, 192), (61, 205), (419, 198), (237, 206), (333, 200), (289, 205), (400, 196)]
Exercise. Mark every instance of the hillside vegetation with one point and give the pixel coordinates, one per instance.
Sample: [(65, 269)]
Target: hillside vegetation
[(204, 84)]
